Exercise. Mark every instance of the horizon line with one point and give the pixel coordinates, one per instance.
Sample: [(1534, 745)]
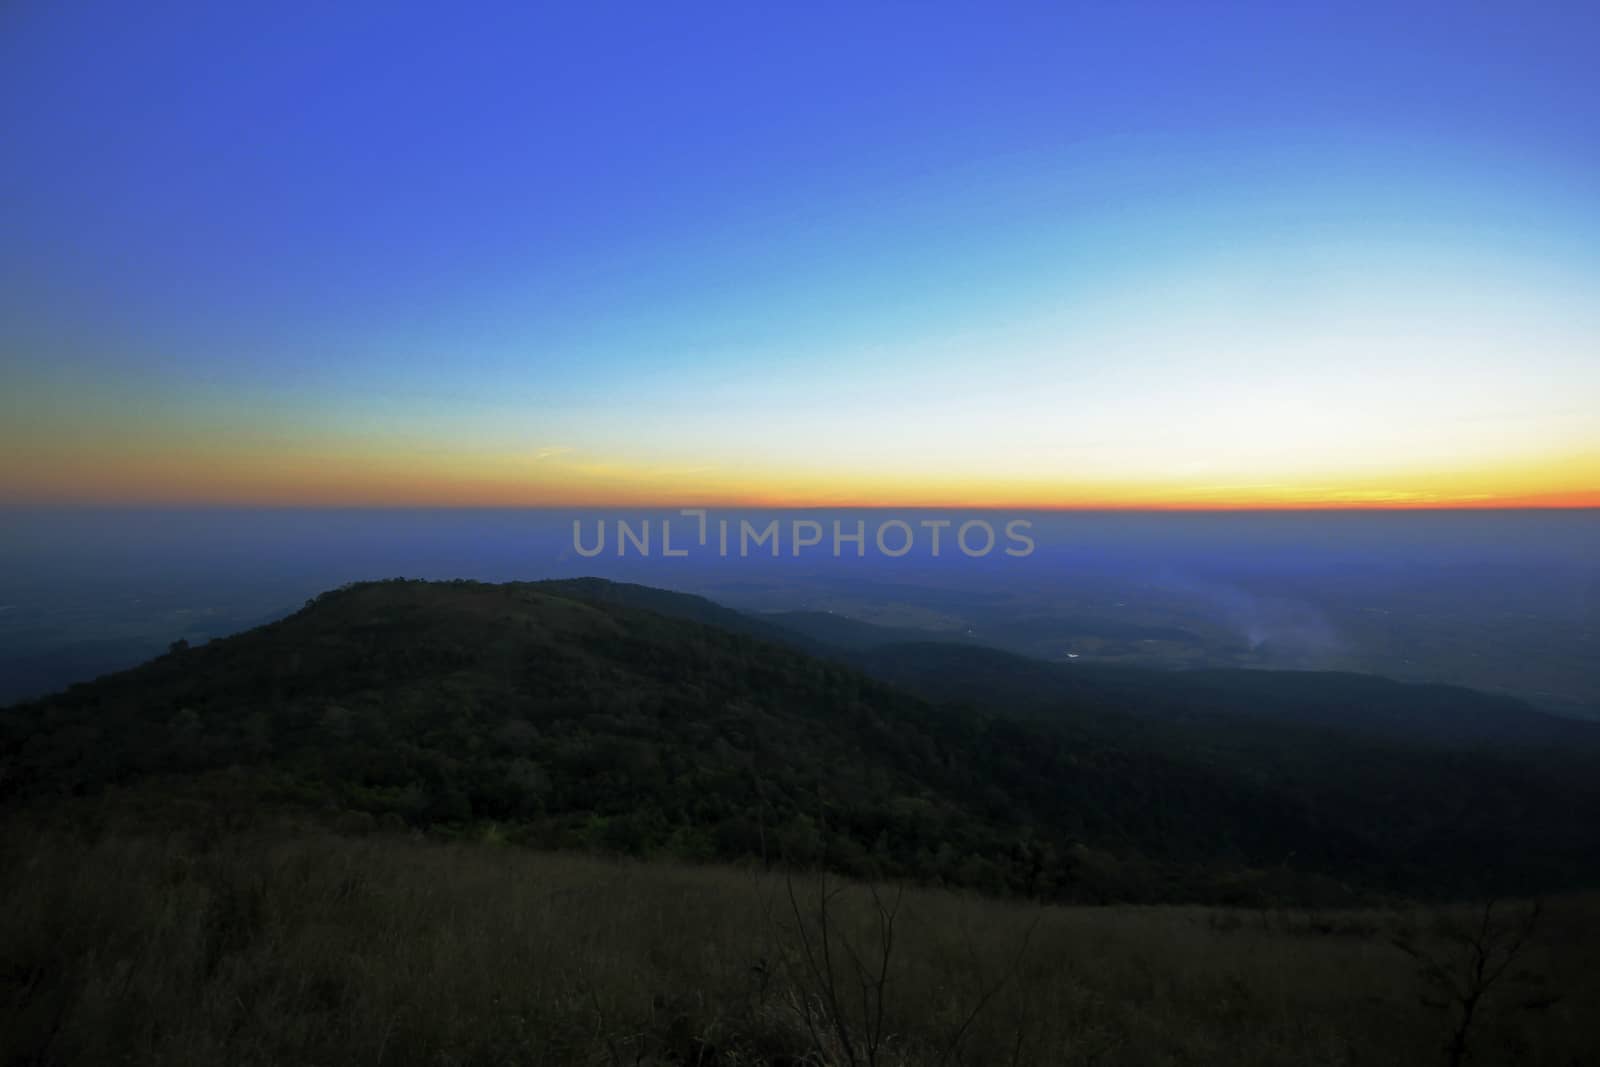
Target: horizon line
[(1342, 507)]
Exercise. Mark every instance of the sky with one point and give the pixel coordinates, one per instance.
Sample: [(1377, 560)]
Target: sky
[(1068, 255)]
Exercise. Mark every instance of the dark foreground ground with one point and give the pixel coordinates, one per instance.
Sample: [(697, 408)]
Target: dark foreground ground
[(306, 947)]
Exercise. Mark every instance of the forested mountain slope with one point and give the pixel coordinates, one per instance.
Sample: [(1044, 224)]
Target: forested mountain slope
[(570, 714)]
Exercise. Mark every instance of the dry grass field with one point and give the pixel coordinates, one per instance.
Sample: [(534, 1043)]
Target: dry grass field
[(310, 948)]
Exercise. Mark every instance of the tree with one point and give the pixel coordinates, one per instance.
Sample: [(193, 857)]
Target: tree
[(1468, 960)]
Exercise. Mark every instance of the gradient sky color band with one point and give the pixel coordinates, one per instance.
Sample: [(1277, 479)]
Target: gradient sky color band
[(1115, 256)]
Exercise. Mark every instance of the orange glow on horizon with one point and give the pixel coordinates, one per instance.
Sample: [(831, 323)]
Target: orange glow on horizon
[(555, 478)]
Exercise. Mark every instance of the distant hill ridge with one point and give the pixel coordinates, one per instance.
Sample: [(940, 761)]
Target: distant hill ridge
[(952, 666), (599, 715)]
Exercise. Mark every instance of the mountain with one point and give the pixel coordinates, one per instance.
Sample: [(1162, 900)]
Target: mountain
[(945, 666), (589, 714), (830, 630), (1445, 716)]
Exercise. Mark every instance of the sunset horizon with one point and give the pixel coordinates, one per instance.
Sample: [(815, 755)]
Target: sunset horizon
[(571, 481), (1261, 258)]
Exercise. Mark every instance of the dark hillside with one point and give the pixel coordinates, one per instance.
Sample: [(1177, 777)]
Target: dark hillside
[(564, 714)]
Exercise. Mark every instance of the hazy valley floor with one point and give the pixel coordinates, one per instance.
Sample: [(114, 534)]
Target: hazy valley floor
[(311, 948)]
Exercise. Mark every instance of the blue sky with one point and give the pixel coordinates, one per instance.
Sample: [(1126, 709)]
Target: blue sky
[(538, 254)]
